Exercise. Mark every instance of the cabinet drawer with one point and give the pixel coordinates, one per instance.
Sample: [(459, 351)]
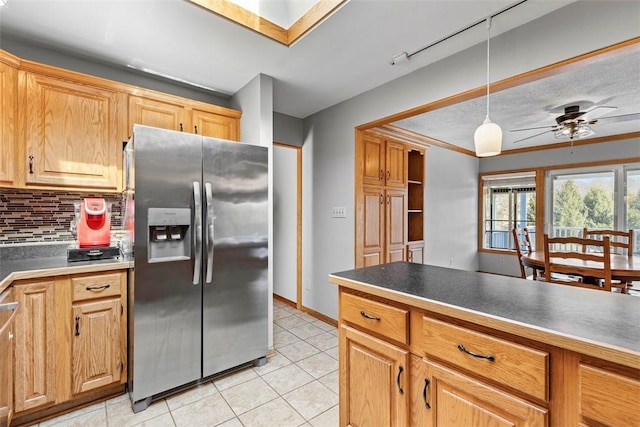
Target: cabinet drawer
[(96, 286), (608, 398), (383, 319), (514, 365)]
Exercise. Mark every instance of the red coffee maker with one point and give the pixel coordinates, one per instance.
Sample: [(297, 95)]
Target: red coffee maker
[(94, 224)]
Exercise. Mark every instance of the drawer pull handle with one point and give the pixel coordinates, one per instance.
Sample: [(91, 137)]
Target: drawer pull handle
[(489, 357), (424, 393), (367, 316), (97, 288), (381, 174), (77, 325), (400, 390)]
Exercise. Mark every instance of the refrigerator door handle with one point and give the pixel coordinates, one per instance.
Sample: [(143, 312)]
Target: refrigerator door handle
[(197, 238), (210, 232)]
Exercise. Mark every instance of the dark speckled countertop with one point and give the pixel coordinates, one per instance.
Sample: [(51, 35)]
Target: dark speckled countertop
[(597, 323), (28, 268)]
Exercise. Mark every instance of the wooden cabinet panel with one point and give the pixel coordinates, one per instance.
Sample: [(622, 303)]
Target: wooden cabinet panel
[(373, 376), (396, 225), (71, 133), (607, 398), (215, 125), (384, 319), (415, 253), (522, 368), (374, 225), (396, 165), (157, 113), (8, 122), (373, 160), (97, 355), (458, 401), (34, 352)]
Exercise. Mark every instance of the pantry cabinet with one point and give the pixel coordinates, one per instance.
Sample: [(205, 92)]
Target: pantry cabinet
[(389, 201), (70, 339), (8, 119), (71, 132)]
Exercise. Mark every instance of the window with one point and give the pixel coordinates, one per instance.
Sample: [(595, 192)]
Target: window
[(604, 197), (509, 202)]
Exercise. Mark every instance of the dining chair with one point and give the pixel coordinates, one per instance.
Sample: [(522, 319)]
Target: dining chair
[(522, 242), (569, 256), (621, 243)]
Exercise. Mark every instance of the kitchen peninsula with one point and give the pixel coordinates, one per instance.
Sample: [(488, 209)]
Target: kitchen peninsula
[(426, 345)]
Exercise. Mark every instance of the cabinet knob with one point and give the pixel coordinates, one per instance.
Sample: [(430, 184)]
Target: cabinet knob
[(489, 357), (77, 325), (180, 127), (31, 164), (195, 128), (424, 393), (400, 370), (381, 174)]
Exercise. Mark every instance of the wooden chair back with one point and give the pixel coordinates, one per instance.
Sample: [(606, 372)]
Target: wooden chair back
[(522, 242), (621, 241), (591, 258)]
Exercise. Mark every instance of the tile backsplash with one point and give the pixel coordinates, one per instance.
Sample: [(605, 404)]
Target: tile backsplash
[(44, 216)]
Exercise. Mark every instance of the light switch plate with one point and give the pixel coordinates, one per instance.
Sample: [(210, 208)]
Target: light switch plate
[(339, 212)]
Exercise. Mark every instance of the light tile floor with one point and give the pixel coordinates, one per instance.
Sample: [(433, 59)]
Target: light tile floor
[(297, 387)]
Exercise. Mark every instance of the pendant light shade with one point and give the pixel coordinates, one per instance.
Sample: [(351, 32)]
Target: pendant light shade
[(488, 137)]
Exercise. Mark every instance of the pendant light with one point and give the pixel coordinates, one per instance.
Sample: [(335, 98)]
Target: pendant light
[(488, 137)]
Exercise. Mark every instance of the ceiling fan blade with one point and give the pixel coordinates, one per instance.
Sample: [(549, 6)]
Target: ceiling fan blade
[(554, 127), (597, 111), (533, 136), (620, 118)]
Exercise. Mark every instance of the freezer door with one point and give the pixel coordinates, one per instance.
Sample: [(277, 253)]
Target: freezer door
[(165, 322), (235, 289)]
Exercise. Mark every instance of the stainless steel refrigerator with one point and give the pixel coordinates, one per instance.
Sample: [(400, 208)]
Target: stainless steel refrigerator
[(199, 295)]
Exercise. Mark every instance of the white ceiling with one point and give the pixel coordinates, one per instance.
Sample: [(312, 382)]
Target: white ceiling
[(349, 53), (611, 81)]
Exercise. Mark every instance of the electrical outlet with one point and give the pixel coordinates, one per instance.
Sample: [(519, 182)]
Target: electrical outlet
[(307, 285), (339, 212), (451, 262), (501, 258)]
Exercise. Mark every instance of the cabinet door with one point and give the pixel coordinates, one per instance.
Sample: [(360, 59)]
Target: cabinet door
[(396, 229), (455, 400), (97, 354), (396, 165), (415, 252), (373, 377), (35, 343), (373, 157), (71, 132), (157, 113), (8, 96), (374, 207), (215, 125)]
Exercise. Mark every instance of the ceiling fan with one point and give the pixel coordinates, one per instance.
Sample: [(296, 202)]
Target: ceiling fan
[(575, 124)]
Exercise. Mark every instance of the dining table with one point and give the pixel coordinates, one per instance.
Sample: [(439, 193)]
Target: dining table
[(623, 267)]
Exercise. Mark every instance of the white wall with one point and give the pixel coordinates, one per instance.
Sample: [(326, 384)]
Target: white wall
[(287, 129), (451, 195)]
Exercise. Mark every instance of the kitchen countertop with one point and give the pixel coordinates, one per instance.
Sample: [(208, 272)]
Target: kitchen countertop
[(600, 324), (31, 268)]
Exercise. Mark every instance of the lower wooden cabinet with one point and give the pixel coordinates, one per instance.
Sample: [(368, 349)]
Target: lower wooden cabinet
[(70, 338), (455, 400), (35, 345), (415, 253), (373, 377)]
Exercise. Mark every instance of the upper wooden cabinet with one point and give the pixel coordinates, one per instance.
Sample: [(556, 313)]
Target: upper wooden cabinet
[(70, 133), (384, 162), (175, 113), (8, 121), (64, 130)]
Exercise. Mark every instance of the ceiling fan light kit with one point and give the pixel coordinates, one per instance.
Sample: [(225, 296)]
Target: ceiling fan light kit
[(488, 137)]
